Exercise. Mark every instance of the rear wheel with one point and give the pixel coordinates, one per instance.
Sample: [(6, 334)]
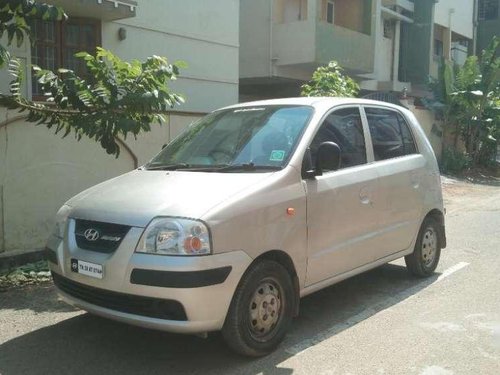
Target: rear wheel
[(425, 257), (261, 310)]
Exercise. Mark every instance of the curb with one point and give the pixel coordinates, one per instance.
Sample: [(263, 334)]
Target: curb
[(13, 259)]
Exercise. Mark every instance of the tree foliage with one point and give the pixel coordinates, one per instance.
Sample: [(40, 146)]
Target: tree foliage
[(468, 99), (113, 99), (15, 16), (330, 80), (117, 99)]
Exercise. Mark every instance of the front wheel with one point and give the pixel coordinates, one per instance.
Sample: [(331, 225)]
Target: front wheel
[(425, 257), (261, 310)]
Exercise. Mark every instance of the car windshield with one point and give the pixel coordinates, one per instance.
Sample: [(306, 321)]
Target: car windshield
[(240, 139)]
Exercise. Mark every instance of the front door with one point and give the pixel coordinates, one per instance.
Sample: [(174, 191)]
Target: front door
[(342, 205)]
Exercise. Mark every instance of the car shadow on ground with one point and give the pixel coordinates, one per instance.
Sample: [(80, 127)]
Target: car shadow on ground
[(86, 344)]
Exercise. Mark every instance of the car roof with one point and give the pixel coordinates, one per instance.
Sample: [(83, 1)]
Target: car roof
[(318, 102)]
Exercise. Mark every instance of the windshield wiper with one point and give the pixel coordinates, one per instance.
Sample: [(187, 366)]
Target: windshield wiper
[(247, 167), (215, 168), (166, 167)]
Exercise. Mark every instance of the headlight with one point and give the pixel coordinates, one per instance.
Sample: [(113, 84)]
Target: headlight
[(174, 236), (61, 219)]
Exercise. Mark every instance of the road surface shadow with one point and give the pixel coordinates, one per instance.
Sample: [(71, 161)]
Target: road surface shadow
[(88, 344)]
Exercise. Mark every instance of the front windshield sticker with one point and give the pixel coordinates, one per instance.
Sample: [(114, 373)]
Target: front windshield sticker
[(277, 155)]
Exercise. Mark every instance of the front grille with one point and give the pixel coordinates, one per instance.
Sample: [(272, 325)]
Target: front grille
[(109, 235), (127, 303)]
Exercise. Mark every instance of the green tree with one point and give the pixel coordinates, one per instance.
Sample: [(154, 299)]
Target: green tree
[(468, 98), (117, 99), (330, 80), (477, 98)]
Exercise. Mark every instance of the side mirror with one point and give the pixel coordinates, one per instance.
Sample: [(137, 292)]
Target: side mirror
[(327, 157)]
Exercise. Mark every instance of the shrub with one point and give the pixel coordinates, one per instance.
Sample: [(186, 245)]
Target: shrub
[(454, 162)]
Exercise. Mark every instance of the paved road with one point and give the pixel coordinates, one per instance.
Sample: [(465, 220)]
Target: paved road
[(381, 322)]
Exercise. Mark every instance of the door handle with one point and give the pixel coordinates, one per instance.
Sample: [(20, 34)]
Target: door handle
[(365, 195), (415, 181), (365, 200)]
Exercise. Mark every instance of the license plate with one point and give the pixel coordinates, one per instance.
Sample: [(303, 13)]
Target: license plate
[(87, 268)]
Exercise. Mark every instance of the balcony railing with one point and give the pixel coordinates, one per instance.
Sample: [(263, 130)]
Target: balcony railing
[(318, 42), (105, 10)]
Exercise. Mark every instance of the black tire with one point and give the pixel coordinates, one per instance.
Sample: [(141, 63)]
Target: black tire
[(243, 332), (425, 257)]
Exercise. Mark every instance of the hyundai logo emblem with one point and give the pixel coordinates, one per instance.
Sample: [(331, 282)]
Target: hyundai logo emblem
[(91, 234)]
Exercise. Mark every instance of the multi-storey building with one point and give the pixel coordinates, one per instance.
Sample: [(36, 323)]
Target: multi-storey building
[(387, 45)]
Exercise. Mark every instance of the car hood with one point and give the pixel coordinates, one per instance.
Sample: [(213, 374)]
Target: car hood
[(137, 197)]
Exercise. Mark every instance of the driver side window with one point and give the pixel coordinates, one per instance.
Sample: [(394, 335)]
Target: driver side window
[(344, 127)]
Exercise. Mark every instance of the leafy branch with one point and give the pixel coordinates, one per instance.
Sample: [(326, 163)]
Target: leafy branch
[(468, 99), (117, 99), (113, 99), (330, 80)]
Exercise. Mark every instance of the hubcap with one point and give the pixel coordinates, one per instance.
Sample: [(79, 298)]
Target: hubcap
[(429, 247), (265, 308)]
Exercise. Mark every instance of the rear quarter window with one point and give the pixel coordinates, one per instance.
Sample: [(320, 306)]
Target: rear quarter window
[(390, 133)]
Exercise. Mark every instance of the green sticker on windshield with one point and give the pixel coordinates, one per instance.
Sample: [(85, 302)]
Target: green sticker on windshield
[(277, 155)]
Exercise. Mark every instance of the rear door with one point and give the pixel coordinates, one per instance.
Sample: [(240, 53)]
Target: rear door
[(342, 204), (400, 168)]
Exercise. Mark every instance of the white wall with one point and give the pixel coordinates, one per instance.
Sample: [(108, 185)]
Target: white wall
[(383, 64), (461, 19), (204, 34), (428, 121), (39, 172), (255, 32)]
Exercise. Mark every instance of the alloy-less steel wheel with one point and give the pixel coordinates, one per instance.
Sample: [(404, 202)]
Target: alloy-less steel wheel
[(261, 310), (425, 257)]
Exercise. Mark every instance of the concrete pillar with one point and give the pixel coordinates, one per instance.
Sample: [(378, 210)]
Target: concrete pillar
[(395, 58), (377, 34), (421, 34), (447, 43)]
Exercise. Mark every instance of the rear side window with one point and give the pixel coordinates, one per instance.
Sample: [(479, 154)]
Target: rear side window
[(344, 127), (391, 136)]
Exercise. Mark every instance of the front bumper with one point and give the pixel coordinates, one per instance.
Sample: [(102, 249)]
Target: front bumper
[(146, 290)]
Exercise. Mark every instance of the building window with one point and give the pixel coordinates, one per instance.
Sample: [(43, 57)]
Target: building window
[(488, 10), (328, 11), (55, 44)]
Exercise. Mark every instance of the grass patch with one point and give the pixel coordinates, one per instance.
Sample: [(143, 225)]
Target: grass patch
[(29, 274)]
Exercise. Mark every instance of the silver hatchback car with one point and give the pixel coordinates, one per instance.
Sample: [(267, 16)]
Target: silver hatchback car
[(251, 208)]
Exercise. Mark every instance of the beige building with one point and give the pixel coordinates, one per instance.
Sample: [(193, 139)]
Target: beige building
[(40, 171), (386, 45)]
